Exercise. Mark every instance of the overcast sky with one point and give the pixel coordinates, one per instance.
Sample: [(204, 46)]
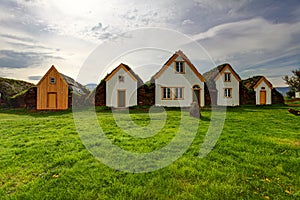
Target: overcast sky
[(255, 37)]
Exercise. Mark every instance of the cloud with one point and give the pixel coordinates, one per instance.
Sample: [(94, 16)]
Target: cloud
[(34, 78), (14, 59), (249, 34), (187, 21), (19, 38), (98, 27), (255, 38), (29, 46), (228, 5)]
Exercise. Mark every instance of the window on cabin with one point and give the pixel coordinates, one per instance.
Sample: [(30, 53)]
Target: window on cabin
[(227, 77), (227, 92), (263, 88), (179, 67), (166, 93), (178, 93), (52, 80), (121, 78)]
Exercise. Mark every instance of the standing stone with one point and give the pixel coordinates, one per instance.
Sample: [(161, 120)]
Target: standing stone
[(195, 110)]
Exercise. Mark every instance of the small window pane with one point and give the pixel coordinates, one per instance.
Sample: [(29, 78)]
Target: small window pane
[(166, 93), (179, 67), (227, 92), (178, 93), (227, 76), (52, 80), (121, 78)]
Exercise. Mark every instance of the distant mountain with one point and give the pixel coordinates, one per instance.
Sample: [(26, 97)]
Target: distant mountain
[(91, 86), (282, 90)]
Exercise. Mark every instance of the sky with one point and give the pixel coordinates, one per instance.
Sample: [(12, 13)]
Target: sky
[(256, 37)]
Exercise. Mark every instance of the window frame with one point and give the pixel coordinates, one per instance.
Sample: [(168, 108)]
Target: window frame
[(227, 77), (182, 93), (165, 92), (52, 80), (226, 93), (121, 78), (182, 67)]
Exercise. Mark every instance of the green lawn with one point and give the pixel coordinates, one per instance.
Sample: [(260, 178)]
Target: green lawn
[(256, 157), (295, 102)]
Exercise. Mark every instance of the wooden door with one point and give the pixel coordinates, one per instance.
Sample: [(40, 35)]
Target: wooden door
[(52, 100), (262, 99), (121, 98)]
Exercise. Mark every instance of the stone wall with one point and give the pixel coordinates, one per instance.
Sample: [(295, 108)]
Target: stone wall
[(210, 95), (277, 97), (98, 97), (247, 96), (146, 95)]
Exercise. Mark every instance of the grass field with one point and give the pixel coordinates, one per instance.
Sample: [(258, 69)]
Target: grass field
[(293, 102), (257, 157)]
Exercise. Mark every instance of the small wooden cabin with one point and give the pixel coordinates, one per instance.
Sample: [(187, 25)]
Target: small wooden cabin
[(122, 86), (262, 89), (54, 91)]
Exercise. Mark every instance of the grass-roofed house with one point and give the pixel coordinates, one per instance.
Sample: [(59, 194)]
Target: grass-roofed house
[(226, 82), (178, 83), (119, 89), (55, 90), (262, 89), (258, 90), (10, 88), (122, 87)]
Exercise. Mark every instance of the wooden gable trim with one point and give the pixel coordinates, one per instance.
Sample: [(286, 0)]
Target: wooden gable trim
[(166, 65), (232, 72), (52, 68), (117, 69), (186, 60), (261, 80)]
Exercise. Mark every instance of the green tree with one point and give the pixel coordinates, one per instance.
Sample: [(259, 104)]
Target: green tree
[(293, 82)]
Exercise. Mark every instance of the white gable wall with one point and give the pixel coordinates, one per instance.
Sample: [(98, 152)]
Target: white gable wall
[(113, 85), (234, 100), (170, 79), (268, 93)]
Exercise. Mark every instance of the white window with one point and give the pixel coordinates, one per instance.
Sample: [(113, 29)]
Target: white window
[(178, 93), (166, 93), (52, 80), (227, 92), (179, 67), (263, 88), (227, 77), (121, 78)]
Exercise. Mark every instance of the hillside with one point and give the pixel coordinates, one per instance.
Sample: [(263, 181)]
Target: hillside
[(91, 86), (10, 87)]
